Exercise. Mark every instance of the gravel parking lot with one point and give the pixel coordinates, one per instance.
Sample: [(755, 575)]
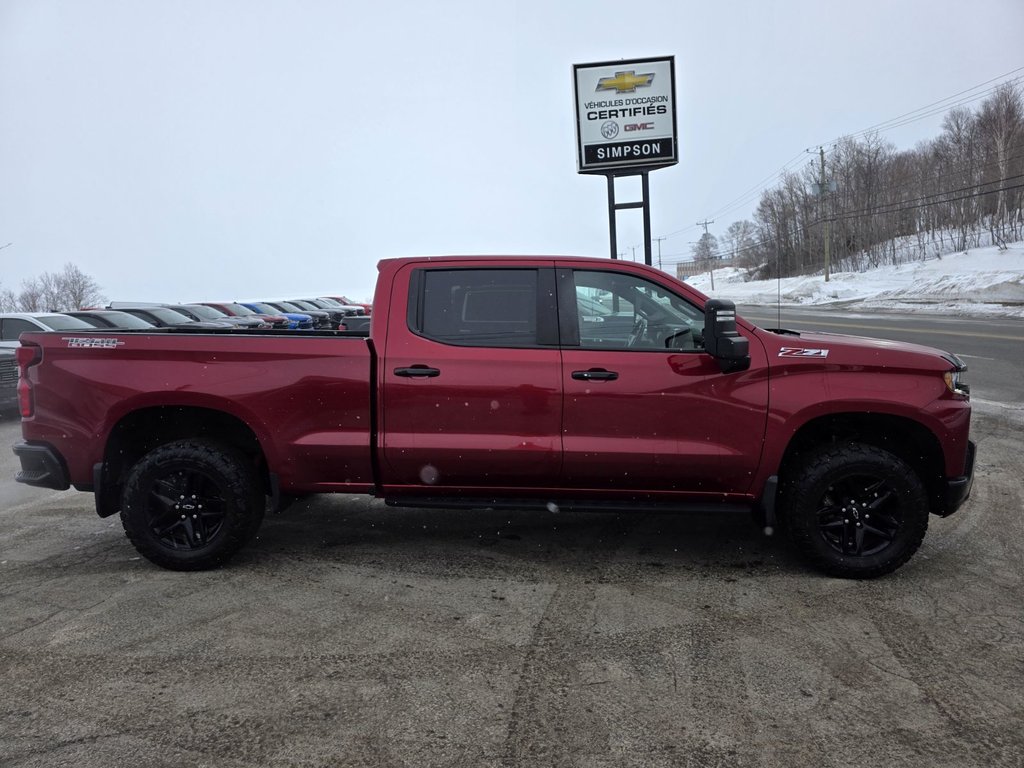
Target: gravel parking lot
[(351, 634)]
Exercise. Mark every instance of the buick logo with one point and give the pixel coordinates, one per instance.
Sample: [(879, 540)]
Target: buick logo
[(610, 129)]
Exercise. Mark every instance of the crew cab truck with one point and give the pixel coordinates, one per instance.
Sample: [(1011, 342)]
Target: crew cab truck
[(505, 381)]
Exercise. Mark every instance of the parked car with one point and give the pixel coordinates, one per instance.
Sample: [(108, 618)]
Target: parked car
[(13, 324), (336, 314), (343, 300), (111, 318), (8, 380), (165, 317), (302, 320), (213, 315), (234, 309), (348, 309), (320, 318)]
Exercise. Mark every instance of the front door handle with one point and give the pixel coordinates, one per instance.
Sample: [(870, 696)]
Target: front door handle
[(418, 372), (595, 374)]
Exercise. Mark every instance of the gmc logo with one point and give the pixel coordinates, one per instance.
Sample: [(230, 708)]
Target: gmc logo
[(639, 127)]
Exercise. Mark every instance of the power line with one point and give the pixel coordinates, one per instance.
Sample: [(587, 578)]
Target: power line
[(742, 199), (938, 106), (965, 167), (880, 208), (935, 202), (947, 103)]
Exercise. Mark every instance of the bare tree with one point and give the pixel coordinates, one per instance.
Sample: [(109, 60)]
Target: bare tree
[(705, 254), (8, 301), (706, 250), (77, 289), (740, 243), (30, 297), (57, 291), (1001, 128)]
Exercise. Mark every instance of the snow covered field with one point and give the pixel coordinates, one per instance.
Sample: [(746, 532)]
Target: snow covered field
[(981, 281)]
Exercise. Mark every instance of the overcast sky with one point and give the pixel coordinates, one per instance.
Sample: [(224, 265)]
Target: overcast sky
[(209, 149)]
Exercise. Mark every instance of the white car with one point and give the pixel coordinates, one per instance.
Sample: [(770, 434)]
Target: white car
[(13, 324)]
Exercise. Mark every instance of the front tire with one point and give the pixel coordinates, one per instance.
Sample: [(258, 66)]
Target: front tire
[(191, 505), (855, 511)]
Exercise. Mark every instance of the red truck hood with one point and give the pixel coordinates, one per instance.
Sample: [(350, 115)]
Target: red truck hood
[(839, 349)]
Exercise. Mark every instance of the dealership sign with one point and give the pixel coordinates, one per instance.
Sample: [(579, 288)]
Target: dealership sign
[(625, 115)]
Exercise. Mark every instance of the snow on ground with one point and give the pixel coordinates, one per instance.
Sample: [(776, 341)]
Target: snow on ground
[(981, 281)]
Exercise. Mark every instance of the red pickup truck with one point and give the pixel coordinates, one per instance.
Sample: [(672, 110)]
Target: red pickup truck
[(505, 381)]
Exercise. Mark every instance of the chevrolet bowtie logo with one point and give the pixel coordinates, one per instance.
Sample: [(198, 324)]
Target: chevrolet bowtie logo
[(625, 82)]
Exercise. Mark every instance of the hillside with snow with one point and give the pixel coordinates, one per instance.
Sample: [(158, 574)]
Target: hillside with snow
[(980, 281)]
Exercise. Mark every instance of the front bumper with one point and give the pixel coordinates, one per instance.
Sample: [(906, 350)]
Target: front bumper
[(958, 489), (41, 466)]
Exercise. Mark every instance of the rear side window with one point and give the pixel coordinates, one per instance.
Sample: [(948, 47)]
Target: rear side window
[(64, 323), (476, 307), (13, 327)]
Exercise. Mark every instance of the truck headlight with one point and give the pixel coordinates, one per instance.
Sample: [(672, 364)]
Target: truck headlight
[(955, 382)]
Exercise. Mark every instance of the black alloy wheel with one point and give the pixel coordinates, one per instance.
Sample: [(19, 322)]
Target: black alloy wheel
[(191, 504), (186, 509), (860, 515), (854, 510)]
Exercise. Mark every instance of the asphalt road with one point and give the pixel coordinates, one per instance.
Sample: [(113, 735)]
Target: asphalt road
[(351, 634), (993, 348)]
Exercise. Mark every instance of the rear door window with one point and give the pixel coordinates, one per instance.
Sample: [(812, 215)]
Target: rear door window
[(482, 307)]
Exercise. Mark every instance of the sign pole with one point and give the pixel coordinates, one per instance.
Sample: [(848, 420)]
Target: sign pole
[(646, 194), (644, 203), (611, 216)]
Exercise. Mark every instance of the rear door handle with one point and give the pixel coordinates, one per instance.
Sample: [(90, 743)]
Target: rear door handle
[(418, 372), (598, 374)]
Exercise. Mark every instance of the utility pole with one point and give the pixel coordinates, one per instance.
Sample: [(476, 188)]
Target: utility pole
[(711, 266), (824, 189), (659, 239)]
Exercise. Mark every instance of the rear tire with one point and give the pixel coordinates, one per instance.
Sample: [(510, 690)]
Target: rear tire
[(191, 505), (855, 511)]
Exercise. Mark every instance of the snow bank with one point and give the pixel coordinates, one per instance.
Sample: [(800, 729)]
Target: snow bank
[(985, 281)]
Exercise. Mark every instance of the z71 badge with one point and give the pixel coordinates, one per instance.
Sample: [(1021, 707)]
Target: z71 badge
[(802, 352), (78, 342)]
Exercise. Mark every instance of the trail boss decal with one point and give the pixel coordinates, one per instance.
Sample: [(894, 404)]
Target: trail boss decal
[(802, 352), (78, 342)]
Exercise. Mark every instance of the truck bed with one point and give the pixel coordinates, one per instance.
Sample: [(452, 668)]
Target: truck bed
[(305, 396)]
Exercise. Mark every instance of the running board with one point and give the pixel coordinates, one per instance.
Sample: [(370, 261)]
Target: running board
[(562, 505)]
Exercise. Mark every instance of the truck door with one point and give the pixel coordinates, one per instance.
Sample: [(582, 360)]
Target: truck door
[(471, 380), (646, 409)]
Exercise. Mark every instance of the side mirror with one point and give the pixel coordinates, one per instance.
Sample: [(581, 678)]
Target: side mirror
[(721, 339)]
